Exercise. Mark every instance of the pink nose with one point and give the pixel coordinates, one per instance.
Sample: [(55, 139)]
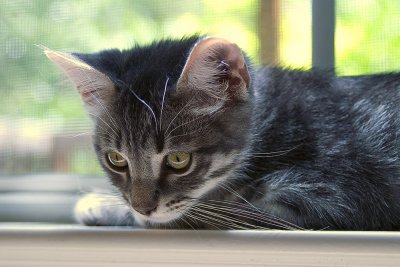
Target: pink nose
[(147, 209)]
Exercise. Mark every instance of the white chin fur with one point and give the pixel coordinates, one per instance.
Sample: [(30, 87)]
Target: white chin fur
[(156, 218)]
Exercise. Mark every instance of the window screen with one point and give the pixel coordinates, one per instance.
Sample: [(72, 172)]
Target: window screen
[(43, 127), (367, 36), (45, 149), (46, 157)]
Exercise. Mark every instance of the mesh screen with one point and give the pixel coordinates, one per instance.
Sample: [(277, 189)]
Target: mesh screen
[(43, 127), (367, 36), (295, 33)]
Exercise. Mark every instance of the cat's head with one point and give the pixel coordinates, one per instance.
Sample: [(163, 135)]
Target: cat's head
[(171, 118)]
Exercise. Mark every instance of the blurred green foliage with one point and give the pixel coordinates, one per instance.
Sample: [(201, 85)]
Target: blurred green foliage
[(31, 85), (367, 36), (37, 103)]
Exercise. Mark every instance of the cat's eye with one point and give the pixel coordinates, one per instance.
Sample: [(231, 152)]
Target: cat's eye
[(117, 159), (178, 160)]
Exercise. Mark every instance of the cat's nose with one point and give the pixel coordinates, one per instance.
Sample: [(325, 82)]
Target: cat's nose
[(146, 210), (147, 205)]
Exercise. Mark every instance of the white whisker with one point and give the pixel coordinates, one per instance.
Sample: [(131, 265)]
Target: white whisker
[(247, 214), (206, 218), (186, 123), (273, 153), (227, 220), (162, 102), (97, 88), (246, 209), (147, 105), (238, 195), (105, 110), (108, 125), (177, 114), (202, 219)]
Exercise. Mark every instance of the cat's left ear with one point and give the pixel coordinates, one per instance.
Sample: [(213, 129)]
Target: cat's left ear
[(94, 86), (217, 68)]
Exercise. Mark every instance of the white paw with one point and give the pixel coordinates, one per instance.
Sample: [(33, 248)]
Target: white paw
[(102, 210)]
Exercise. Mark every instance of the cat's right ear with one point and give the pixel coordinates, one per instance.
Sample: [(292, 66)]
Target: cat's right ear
[(216, 71), (94, 86)]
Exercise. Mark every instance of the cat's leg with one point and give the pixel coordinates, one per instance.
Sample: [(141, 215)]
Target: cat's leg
[(99, 209)]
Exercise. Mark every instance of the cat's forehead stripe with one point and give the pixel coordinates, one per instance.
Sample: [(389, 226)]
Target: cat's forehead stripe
[(160, 142)]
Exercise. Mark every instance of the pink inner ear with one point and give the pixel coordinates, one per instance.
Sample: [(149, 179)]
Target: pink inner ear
[(94, 87), (201, 46), (233, 57), (217, 66)]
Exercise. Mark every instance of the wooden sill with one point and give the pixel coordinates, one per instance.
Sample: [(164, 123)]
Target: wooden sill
[(71, 245)]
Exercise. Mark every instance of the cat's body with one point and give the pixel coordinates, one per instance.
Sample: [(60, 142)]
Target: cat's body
[(342, 142), (269, 148)]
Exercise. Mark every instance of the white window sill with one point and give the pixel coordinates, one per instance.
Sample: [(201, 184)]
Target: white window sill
[(71, 245)]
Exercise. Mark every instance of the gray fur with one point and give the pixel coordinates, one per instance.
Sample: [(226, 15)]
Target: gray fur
[(295, 149)]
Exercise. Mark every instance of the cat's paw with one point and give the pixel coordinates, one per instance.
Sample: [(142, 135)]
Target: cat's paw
[(98, 209)]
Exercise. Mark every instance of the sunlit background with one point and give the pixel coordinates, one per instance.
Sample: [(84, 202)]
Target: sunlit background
[(43, 126)]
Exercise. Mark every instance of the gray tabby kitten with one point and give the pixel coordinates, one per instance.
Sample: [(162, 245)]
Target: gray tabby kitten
[(193, 137)]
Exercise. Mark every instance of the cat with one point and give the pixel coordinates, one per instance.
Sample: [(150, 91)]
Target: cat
[(193, 135)]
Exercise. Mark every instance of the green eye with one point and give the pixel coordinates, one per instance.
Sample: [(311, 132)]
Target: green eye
[(117, 159), (178, 160)]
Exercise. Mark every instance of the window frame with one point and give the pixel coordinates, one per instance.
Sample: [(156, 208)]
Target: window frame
[(44, 245)]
